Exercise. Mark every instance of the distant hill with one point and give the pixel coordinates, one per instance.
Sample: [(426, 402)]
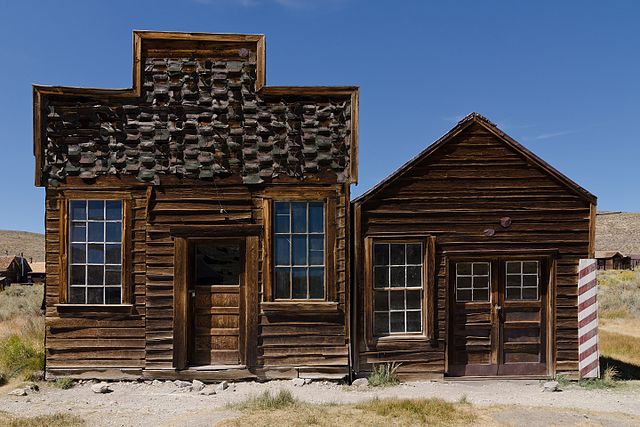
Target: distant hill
[(618, 231), (15, 242)]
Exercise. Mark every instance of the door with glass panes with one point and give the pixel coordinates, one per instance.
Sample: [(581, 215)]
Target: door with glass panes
[(498, 316)]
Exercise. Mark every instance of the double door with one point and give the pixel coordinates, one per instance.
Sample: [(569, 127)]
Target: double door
[(498, 317)]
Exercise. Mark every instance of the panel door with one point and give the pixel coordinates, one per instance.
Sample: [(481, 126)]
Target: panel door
[(216, 303), (522, 318), (498, 317)]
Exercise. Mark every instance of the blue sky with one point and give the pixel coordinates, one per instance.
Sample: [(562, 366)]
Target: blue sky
[(561, 77)]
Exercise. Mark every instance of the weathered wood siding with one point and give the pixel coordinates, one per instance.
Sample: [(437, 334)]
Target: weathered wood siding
[(107, 340), (457, 193)]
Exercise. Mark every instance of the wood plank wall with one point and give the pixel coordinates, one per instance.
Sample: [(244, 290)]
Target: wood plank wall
[(107, 342), (114, 344), (456, 194)]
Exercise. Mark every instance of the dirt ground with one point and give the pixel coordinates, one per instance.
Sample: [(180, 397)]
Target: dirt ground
[(165, 404)]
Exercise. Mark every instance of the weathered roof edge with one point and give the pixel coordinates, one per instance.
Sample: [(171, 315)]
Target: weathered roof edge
[(493, 128), (139, 36)]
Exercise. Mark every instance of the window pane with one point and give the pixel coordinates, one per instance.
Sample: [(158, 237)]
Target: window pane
[(414, 277), (95, 295), (381, 300), (513, 267), (380, 254), (113, 254), (463, 268), (78, 232), (381, 277), (513, 293), (481, 294), (463, 295), (77, 295), (397, 321), (530, 280), (282, 224), (78, 209), (96, 254), (114, 232), (77, 275), (282, 250), (480, 268), (316, 250), (414, 254), (96, 209), (78, 253), (112, 295), (397, 300), (397, 277), (299, 213), (281, 208), (95, 275), (530, 293), (316, 283), (397, 254), (112, 275), (414, 299), (96, 231), (414, 321), (513, 281), (463, 282), (480, 282), (114, 209), (381, 323), (299, 288), (316, 217), (282, 283), (299, 250), (530, 267)]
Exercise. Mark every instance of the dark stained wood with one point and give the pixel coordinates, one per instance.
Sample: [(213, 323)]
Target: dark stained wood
[(455, 190)]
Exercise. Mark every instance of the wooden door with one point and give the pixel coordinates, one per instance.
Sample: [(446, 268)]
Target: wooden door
[(498, 317), (216, 306)]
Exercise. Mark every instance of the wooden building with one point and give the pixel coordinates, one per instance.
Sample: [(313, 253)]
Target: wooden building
[(37, 273), (613, 260), (197, 223), (14, 269), (466, 261)]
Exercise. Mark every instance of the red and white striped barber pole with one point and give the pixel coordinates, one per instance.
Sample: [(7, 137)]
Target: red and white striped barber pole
[(588, 354)]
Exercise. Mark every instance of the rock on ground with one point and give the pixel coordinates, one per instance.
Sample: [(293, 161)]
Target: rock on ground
[(360, 382), (18, 392), (551, 386), (197, 385), (101, 388), (222, 386), (297, 382)]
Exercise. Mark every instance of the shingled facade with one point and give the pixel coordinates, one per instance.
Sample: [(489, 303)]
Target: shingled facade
[(197, 223)]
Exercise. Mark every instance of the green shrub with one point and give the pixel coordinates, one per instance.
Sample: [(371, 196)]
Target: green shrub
[(19, 356), (268, 402), (64, 383), (384, 375)]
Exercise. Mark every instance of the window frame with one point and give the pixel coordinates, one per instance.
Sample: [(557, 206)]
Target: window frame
[(328, 303), (64, 202), (428, 291)]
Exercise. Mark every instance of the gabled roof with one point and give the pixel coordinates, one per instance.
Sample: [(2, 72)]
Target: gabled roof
[(491, 127), (608, 254)]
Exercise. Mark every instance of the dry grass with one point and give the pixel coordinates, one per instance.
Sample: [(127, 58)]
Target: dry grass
[(21, 331), (619, 294), (283, 409), (15, 242), (384, 374), (57, 420), (620, 347)]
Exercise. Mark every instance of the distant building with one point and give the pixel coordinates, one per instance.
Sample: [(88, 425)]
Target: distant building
[(612, 260), (634, 261), (14, 269), (37, 273)]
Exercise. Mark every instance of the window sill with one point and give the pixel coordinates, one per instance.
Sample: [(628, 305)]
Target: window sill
[(303, 307), (94, 308), (392, 341)]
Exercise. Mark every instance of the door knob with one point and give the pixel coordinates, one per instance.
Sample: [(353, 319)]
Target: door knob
[(192, 293)]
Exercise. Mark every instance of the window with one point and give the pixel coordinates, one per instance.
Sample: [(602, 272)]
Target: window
[(522, 280), (95, 252), (397, 288), (299, 237), (472, 281)]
